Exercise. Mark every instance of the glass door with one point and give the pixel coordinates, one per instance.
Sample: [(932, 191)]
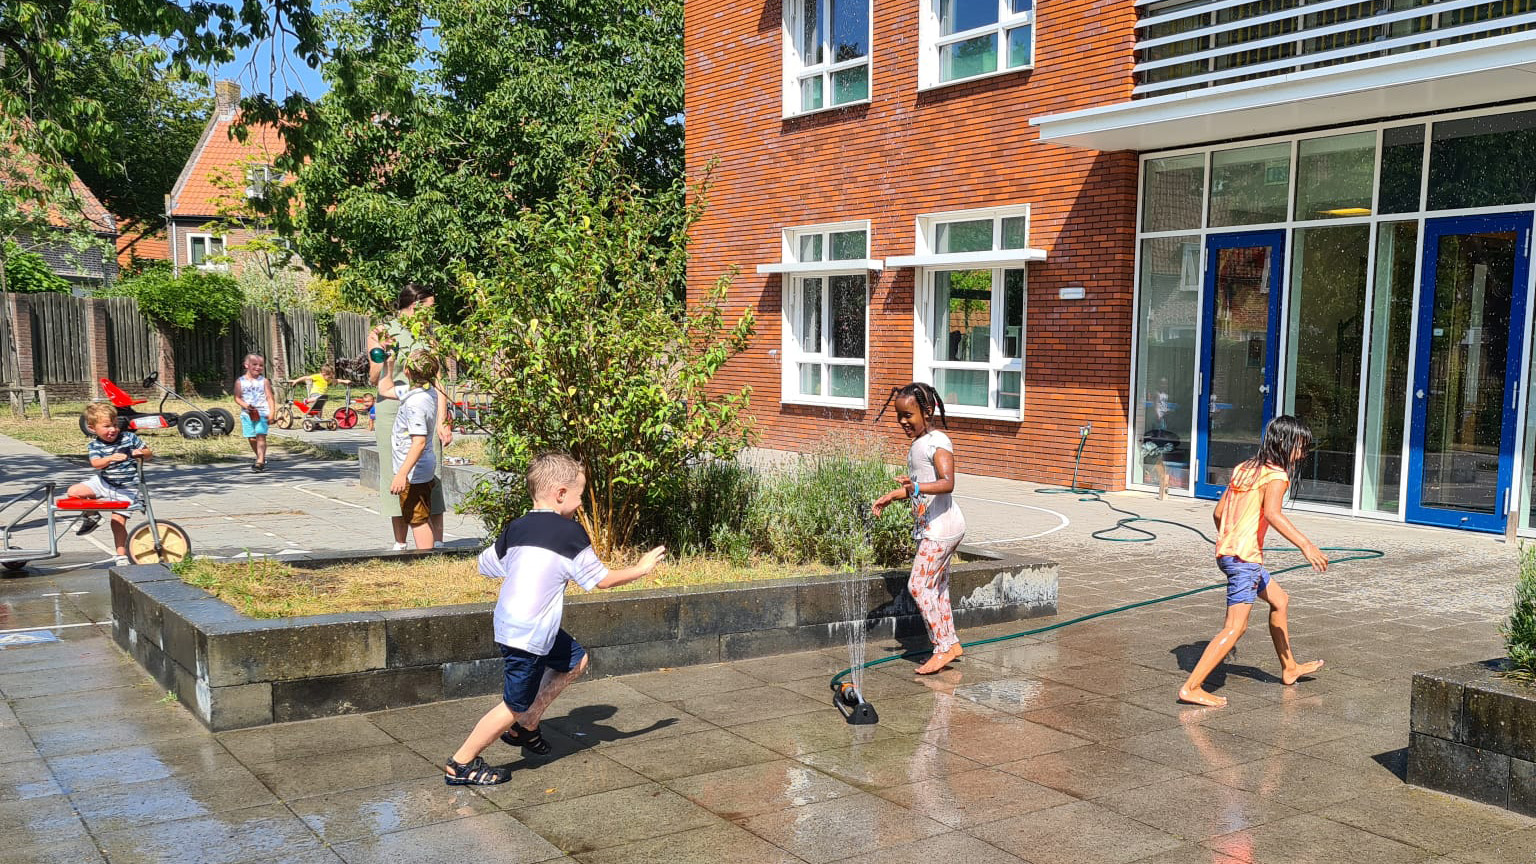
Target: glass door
[(1240, 325), (1467, 370)]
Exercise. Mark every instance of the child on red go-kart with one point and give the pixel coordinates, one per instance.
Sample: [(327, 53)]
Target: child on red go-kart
[(110, 452)]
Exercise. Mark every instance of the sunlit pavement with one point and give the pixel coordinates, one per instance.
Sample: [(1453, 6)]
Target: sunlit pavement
[(1066, 747)]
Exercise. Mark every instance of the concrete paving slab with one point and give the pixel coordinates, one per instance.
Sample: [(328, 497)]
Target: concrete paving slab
[(1066, 746)]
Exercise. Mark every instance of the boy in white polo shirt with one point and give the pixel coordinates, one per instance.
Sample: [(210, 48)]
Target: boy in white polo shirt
[(536, 555)]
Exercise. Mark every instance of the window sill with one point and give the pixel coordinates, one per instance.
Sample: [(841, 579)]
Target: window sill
[(972, 412), (813, 112), (924, 88), (814, 402)]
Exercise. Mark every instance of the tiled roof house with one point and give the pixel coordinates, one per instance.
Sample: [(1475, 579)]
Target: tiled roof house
[(220, 172), (90, 266)]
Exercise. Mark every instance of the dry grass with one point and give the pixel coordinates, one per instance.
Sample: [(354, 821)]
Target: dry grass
[(61, 437), (262, 588), (471, 448)]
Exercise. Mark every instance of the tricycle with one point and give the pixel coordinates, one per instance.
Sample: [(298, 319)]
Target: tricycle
[(152, 541)]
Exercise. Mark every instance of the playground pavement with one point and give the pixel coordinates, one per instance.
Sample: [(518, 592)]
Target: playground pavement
[(1060, 748)]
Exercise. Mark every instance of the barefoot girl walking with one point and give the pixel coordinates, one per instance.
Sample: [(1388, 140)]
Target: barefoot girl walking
[(940, 525), (1250, 505)]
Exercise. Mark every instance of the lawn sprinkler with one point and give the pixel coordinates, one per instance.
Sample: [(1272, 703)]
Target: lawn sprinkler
[(850, 703)]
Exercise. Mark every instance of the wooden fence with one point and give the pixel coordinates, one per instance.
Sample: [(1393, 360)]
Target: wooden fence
[(211, 357), (132, 344)]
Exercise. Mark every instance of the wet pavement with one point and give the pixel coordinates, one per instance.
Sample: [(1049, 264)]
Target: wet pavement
[(1060, 748)]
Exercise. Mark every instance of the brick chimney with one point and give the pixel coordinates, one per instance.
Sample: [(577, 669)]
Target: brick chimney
[(226, 98)]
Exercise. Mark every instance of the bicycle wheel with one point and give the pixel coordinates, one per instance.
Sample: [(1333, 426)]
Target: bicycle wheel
[(173, 544), (284, 416), (345, 418)]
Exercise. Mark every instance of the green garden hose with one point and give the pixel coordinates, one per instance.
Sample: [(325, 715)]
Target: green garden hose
[(1124, 524)]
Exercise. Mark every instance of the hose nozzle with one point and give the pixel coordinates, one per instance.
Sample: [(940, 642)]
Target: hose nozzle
[(850, 703)]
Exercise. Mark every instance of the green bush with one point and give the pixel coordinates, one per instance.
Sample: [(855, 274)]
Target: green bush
[(1520, 630), (820, 511), (28, 273), (196, 297), (817, 510)]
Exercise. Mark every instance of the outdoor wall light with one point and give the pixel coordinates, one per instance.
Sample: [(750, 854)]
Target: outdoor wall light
[(1072, 292)]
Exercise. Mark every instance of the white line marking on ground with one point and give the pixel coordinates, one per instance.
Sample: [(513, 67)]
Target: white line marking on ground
[(300, 487), (1064, 520), (55, 627)]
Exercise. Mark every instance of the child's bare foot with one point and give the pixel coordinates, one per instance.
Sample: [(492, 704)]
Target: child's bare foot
[(1200, 697), (1289, 676), (939, 660)]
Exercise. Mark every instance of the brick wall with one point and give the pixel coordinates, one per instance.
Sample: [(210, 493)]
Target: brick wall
[(908, 153)]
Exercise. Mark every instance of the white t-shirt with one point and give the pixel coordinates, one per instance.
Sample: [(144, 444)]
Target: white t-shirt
[(536, 555), (417, 416), (938, 517)]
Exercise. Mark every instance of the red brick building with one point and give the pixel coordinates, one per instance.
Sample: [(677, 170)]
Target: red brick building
[(896, 217)]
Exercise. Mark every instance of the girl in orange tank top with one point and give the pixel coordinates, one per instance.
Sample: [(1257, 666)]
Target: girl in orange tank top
[(1251, 504)]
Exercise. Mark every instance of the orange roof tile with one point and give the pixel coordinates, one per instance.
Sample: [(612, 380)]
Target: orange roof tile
[(136, 241), (221, 159), (23, 165)]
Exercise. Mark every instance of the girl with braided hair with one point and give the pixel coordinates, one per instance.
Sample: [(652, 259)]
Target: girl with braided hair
[(939, 526)]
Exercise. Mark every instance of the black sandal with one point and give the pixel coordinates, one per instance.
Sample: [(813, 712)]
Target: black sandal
[(528, 739), (476, 773)]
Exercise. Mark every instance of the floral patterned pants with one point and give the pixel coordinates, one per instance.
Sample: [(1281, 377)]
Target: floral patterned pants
[(929, 586)]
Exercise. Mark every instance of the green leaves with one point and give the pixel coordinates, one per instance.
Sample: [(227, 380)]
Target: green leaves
[(27, 272), (186, 301), (1520, 630), (431, 148), (582, 344)]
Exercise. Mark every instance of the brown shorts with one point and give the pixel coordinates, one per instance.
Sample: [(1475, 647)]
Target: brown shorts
[(416, 502)]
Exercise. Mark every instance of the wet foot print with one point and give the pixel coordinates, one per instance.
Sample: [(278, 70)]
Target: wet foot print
[(1302, 669), (1200, 697), (939, 660)]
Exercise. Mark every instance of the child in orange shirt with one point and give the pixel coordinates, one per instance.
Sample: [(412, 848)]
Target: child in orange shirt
[(1250, 505)]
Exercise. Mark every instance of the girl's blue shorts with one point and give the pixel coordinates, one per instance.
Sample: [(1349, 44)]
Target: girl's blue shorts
[(1244, 579)]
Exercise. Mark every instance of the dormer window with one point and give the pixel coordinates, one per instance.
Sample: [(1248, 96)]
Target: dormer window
[(258, 178)]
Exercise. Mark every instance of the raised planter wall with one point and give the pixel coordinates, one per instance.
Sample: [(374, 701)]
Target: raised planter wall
[(458, 480), (1473, 734), (232, 671)]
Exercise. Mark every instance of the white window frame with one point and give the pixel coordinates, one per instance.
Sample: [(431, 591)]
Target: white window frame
[(258, 178), (208, 241), (792, 355), (996, 363), (928, 27), (998, 261), (795, 69)]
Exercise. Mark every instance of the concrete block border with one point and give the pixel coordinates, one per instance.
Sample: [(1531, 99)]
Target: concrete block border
[(1471, 735), (234, 672), (458, 480)]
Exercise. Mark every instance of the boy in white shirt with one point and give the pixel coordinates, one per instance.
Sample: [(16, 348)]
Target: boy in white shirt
[(536, 555), (415, 460)]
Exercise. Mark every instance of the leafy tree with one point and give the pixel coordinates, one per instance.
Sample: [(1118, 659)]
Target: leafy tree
[(425, 149), (27, 272), (153, 120), (40, 112), (582, 345)]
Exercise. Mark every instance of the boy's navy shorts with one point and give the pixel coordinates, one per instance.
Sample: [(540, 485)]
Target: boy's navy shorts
[(1244, 579), (524, 671)]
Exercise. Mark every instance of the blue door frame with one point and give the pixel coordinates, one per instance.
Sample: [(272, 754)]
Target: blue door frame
[(1434, 229), (1275, 240)]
